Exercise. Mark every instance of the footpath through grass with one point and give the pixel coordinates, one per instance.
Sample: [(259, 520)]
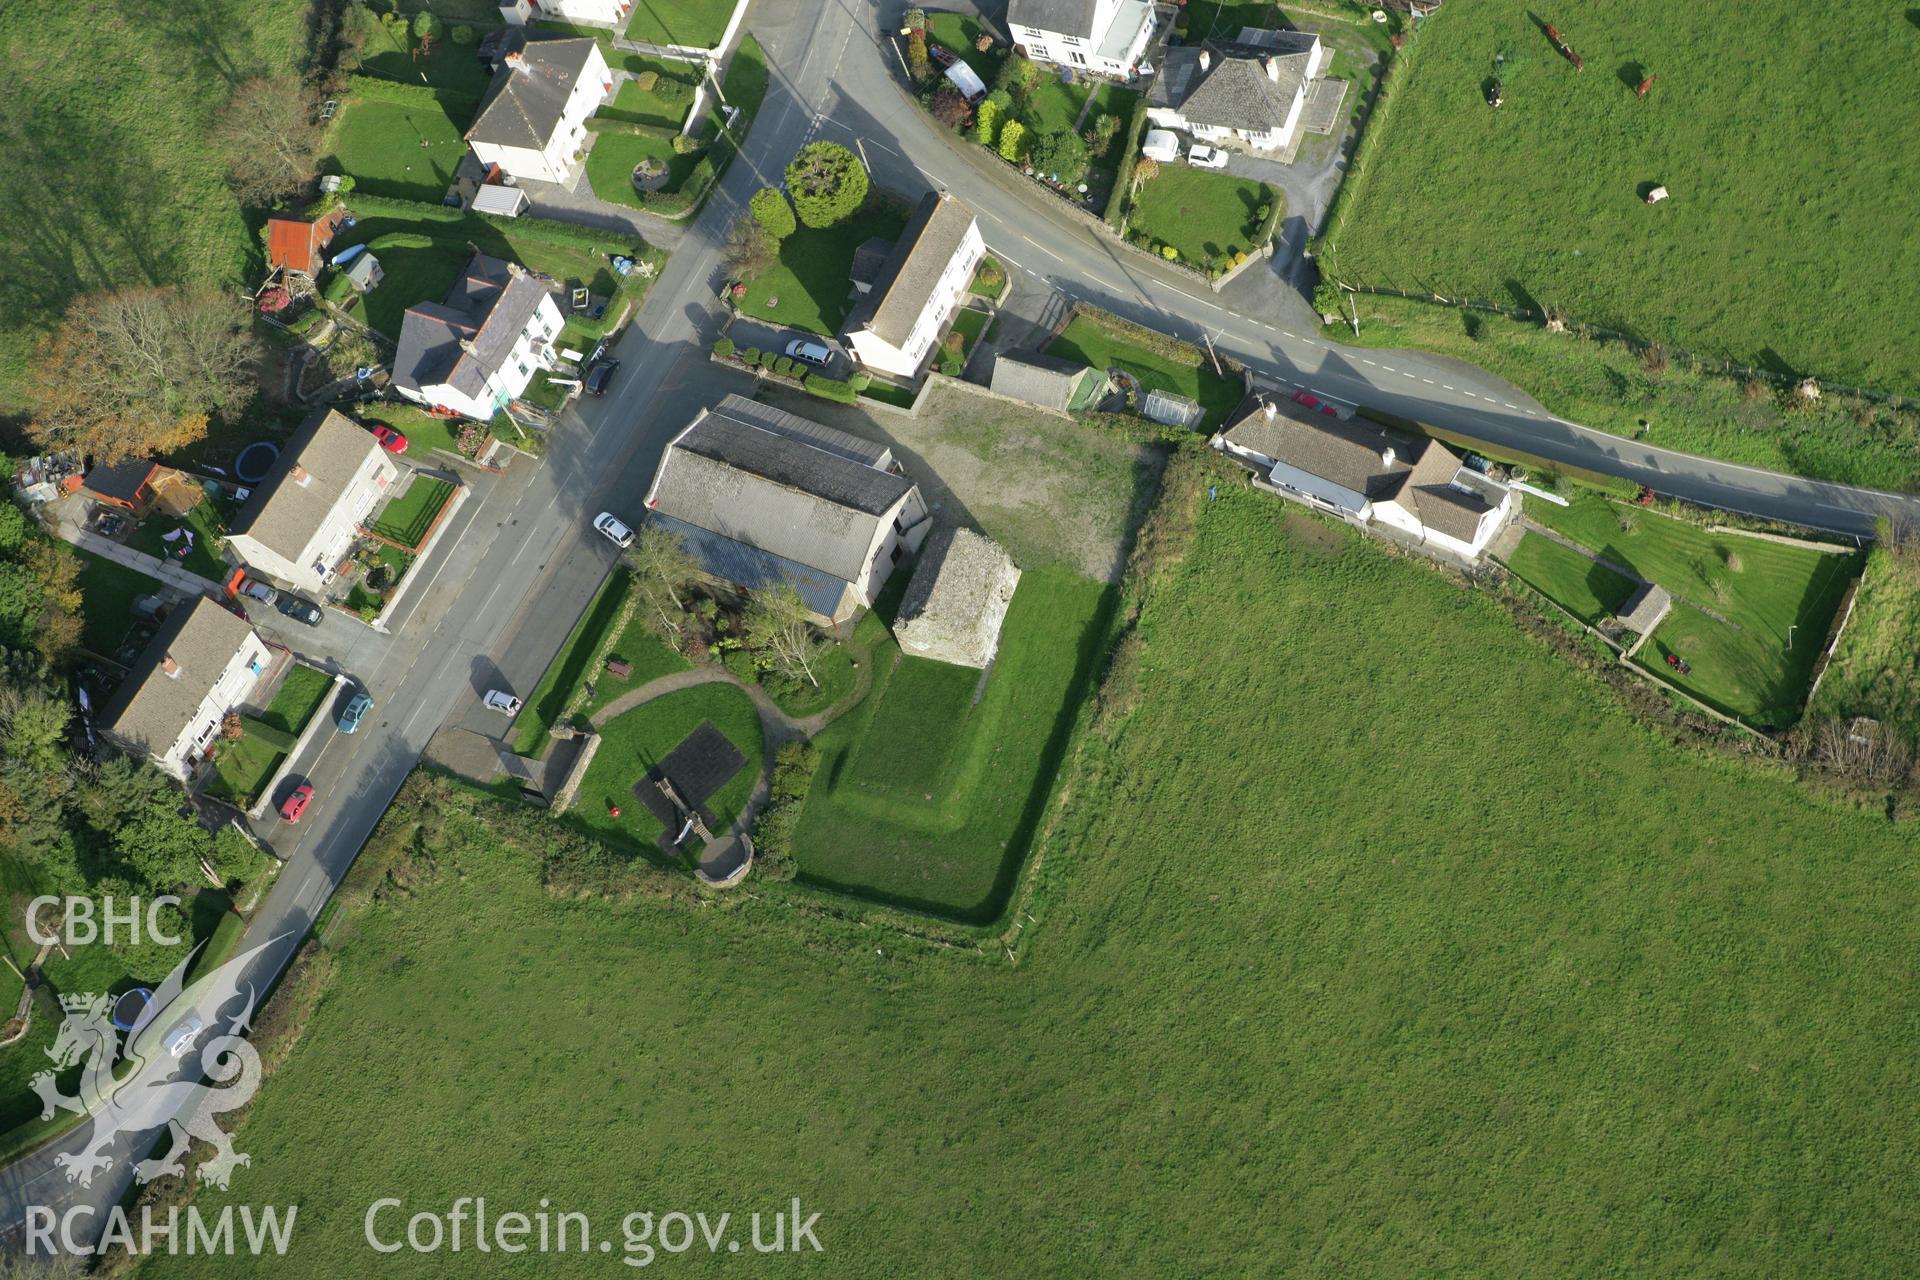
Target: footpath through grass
[(1542, 201), (1526, 990)]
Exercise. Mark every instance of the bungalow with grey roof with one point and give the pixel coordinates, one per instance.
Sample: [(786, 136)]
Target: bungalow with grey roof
[(201, 663), (759, 496), (474, 352), (1369, 476), (898, 318)]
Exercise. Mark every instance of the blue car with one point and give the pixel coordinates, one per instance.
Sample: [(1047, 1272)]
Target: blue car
[(350, 718)]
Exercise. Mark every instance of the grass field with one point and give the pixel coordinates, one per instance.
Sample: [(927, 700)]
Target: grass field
[(1542, 200), (810, 287), (1610, 386), (1875, 671), (926, 800), (1735, 599), (1206, 216), (408, 518), (393, 149), (632, 743), (696, 23), (1088, 341), (107, 171), (1585, 588), (1461, 993), (107, 593)]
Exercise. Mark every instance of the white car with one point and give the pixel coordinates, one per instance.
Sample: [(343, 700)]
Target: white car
[(813, 353), (502, 701), (181, 1038), (609, 524), (1204, 157), (1160, 144)]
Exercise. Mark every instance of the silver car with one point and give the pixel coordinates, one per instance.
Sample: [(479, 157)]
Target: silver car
[(502, 701), (615, 529)]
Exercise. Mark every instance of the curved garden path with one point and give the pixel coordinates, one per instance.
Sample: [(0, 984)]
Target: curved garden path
[(721, 859)]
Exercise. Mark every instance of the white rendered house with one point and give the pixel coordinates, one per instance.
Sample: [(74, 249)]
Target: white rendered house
[(1224, 91), (202, 663), (301, 521), (900, 316), (534, 122), (1108, 37), (598, 13), (476, 351)]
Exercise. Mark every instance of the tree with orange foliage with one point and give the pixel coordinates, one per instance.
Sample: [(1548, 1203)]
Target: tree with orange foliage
[(138, 372)]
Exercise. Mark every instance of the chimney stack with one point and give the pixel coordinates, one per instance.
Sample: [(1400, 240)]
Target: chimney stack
[(168, 665), (1206, 59), (1273, 410), (517, 61), (299, 475), (1386, 456), (1273, 69)]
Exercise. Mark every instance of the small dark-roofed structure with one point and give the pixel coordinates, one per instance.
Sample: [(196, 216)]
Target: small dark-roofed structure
[(1047, 381), (912, 270), (127, 484), (529, 93), (1645, 608), (869, 260)]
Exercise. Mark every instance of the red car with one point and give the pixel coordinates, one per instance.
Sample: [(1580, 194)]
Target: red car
[(1306, 398), (296, 804), (390, 440)]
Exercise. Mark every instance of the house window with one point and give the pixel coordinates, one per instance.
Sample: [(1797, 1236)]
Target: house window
[(1038, 51), (1077, 59), (895, 557), (897, 526)]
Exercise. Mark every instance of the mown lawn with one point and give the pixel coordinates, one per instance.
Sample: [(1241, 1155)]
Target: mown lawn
[(107, 593), (205, 520), (698, 24), (300, 695), (1735, 599), (412, 275), (1543, 199), (396, 149), (927, 800), (665, 106), (1876, 668), (1205, 216), (811, 287), (634, 742), (1086, 340), (407, 518), (108, 172), (241, 767), (610, 164), (1359, 896), (541, 708), (956, 32), (649, 657), (1584, 587)]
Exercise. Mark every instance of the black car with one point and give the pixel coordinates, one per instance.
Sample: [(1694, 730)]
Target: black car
[(299, 610), (595, 383)]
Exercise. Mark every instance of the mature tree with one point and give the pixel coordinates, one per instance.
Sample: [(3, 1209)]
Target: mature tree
[(269, 133), (136, 372), (950, 108), (659, 557), (778, 628), (1061, 156), (772, 212), (748, 251), (33, 727), (828, 183)]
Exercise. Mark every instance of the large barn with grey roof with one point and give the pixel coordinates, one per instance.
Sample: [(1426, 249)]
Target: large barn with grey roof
[(760, 496)]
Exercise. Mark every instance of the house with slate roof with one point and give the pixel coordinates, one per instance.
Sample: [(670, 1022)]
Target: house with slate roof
[(1238, 91), (759, 496), (201, 663), (912, 296), (533, 123), (1369, 476), (299, 524), (476, 350), (1107, 37)]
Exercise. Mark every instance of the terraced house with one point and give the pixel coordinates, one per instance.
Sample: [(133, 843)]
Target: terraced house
[(1109, 37), (202, 663), (300, 523), (759, 496), (476, 350)]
